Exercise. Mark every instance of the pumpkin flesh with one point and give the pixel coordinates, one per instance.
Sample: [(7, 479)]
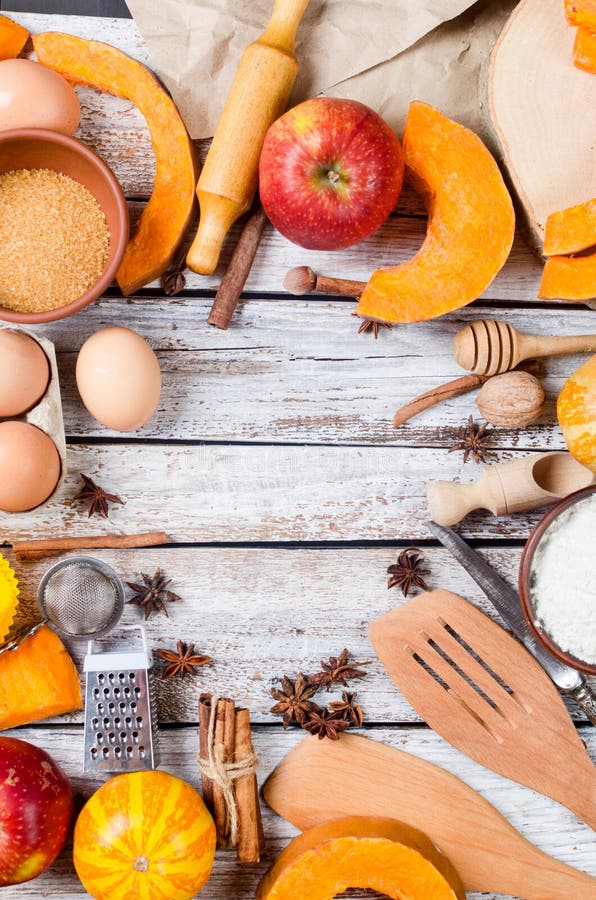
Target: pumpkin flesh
[(470, 227), (581, 12), (360, 852), (584, 50), (569, 278), (576, 412), (13, 38), (570, 230), (169, 211), (144, 836)]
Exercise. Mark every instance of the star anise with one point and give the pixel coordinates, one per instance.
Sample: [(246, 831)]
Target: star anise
[(152, 593), (473, 440), (372, 325), (407, 571), (347, 709), (294, 702), (338, 671), (326, 725), (98, 498), (183, 661)]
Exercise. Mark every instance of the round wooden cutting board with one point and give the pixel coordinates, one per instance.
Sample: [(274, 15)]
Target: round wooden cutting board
[(544, 112)]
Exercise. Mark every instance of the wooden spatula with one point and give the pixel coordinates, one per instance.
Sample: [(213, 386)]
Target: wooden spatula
[(323, 780), (483, 692)]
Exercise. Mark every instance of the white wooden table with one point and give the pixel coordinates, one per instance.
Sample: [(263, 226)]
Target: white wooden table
[(273, 466)]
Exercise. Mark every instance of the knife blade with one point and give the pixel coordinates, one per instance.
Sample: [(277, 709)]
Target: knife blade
[(506, 601)]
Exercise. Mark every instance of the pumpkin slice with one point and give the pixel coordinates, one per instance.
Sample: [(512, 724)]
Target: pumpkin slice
[(576, 412), (169, 211), (9, 598), (570, 230), (38, 679), (581, 12), (569, 278), (470, 226), (374, 854), (584, 50), (13, 38)]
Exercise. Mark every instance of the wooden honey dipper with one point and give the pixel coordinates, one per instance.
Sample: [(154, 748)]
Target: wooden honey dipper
[(489, 347)]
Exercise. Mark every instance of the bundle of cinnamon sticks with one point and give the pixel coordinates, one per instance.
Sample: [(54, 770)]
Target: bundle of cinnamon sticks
[(228, 774)]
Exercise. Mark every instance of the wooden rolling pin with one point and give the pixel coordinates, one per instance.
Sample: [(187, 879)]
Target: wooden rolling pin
[(258, 96), (489, 347), (510, 487)]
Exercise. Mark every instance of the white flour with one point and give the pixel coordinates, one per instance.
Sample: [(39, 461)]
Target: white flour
[(563, 580)]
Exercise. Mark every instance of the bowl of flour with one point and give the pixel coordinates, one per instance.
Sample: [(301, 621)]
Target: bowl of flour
[(557, 580)]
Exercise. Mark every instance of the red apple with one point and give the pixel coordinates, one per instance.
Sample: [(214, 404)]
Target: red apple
[(330, 173), (35, 811)]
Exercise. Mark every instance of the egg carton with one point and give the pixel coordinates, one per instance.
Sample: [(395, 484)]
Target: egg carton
[(47, 414)]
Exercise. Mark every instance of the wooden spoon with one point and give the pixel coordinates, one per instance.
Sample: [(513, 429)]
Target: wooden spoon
[(323, 780), (489, 347)]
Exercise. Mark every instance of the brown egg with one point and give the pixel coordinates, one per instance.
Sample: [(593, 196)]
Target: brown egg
[(33, 96), (24, 373), (29, 466), (118, 378)]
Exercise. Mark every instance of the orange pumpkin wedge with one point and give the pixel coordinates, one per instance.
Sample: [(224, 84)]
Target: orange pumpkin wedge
[(166, 217), (569, 278), (144, 836), (581, 12), (13, 38), (570, 230), (576, 412), (584, 50), (38, 679), (368, 853), (470, 226)]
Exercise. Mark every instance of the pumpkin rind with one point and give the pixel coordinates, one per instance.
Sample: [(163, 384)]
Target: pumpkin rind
[(369, 853), (37, 680), (576, 412), (569, 278), (470, 227), (144, 836), (168, 213), (584, 50), (13, 38), (570, 230)]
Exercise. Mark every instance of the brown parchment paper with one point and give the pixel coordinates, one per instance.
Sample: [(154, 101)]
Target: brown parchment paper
[(382, 52)]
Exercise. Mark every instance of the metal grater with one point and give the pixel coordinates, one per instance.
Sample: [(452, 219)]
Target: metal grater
[(120, 729)]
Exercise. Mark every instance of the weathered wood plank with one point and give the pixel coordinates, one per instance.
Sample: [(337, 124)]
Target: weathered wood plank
[(310, 377), (264, 613), (236, 493), (548, 825), (117, 132)]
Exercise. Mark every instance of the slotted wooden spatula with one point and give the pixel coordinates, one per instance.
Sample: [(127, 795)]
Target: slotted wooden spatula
[(323, 780), (483, 692)]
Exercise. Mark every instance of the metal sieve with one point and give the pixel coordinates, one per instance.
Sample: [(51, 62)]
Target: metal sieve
[(81, 597)]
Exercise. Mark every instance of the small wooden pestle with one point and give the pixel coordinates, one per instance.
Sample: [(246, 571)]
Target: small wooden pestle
[(489, 347), (302, 280), (510, 487)]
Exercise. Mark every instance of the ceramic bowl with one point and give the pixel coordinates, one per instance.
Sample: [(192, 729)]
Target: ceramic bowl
[(37, 148), (524, 581)]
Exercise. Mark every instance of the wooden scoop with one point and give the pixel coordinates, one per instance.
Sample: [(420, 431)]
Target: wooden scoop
[(483, 692), (489, 347), (510, 487), (323, 780)]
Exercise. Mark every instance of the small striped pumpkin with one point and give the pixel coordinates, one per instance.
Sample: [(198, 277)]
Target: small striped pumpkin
[(144, 836), (576, 411)]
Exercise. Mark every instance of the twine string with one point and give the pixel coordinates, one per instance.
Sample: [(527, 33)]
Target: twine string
[(223, 773)]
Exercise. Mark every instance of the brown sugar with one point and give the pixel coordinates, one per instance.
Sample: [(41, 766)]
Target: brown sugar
[(54, 240)]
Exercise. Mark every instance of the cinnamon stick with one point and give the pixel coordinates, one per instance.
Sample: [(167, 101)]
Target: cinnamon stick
[(250, 826), (302, 280), (36, 549), (437, 395), (204, 715), (225, 727), (232, 284)]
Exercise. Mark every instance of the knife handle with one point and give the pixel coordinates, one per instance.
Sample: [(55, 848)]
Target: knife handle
[(585, 698)]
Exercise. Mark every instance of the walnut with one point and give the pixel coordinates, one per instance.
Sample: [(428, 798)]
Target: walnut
[(512, 399)]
